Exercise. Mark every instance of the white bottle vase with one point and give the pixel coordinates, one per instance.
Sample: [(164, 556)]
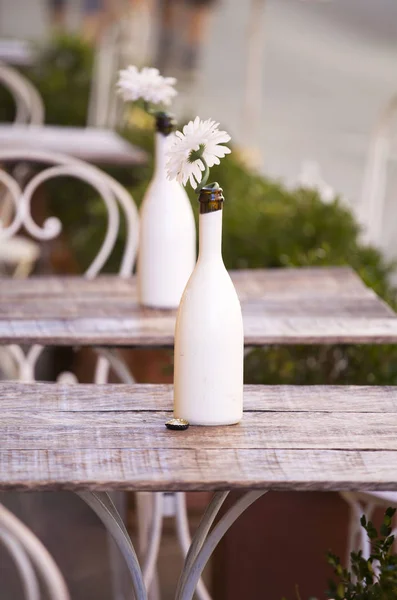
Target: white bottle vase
[(209, 338), (167, 238)]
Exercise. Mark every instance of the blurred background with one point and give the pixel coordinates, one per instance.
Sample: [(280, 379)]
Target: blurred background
[(294, 81), (308, 91)]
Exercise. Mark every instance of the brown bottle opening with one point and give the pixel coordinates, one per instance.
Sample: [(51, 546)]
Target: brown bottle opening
[(211, 198)]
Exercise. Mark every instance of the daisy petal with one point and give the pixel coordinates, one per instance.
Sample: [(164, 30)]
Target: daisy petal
[(195, 135)]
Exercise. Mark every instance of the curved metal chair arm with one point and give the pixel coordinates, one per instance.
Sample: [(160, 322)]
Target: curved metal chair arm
[(22, 563), (38, 554), (29, 105)]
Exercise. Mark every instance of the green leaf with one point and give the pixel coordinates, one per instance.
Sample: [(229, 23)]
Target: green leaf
[(385, 530)]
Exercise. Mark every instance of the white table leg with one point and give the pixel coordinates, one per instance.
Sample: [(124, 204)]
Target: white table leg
[(204, 543), (202, 546), (103, 506)]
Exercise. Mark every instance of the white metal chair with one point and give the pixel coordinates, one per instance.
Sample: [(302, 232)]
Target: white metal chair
[(310, 177), (19, 253), (27, 550), (21, 364), (115, 198), (365, 503), (373, 195), (29, 105)]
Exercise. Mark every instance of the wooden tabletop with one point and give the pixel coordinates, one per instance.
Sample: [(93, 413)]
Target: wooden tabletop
[(99, 146), (280, 306), (113, 437), (19, 53)]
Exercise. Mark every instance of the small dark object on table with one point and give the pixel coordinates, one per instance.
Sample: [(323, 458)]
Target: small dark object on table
[(177, 424)]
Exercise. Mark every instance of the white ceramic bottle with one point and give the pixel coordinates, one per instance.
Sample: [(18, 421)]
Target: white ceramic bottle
[(167, 237), (209, 338)]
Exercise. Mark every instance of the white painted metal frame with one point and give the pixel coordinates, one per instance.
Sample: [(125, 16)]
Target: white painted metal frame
[(364, 503), (200, 550), (115, 198), (26, 548), (28, 577), (29, 105)]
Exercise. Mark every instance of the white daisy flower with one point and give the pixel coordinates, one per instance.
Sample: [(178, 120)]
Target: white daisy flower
[(195, 149), (147, 84)]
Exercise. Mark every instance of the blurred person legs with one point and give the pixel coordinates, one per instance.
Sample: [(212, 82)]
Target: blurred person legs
[(86, 17), (168, 11), (57, 8), (182, 29), (199, 12)]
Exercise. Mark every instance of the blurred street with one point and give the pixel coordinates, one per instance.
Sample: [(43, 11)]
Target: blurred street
[(328, 69)]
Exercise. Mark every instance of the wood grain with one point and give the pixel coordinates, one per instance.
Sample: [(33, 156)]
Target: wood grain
[(113, 430), (206, 470), (113, 437), (147, 398), (280, 306)]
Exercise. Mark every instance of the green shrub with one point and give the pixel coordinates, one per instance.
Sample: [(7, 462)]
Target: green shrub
[(62, 75)]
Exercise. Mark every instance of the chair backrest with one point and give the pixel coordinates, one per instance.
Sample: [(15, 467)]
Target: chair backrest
[(115, 197), (17, 535), (22, 562), (310, 177), (29, 105)]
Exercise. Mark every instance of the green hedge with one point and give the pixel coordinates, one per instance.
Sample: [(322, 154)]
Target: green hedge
[(265, 225)]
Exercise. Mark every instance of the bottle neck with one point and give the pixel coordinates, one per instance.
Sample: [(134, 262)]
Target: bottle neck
[(210, 236), (161, 142)]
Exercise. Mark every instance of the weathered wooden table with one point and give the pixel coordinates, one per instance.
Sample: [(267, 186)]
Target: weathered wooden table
[(280, 306), (99, 146), (90, 438)]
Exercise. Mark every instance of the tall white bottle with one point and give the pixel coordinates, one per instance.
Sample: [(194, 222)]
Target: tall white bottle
[(167, 237), (209, 338)]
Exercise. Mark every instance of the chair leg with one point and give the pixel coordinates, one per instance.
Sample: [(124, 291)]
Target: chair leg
[(145, 504)]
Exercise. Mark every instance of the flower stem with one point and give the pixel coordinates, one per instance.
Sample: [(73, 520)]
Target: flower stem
[(205, 176), (147, 107)]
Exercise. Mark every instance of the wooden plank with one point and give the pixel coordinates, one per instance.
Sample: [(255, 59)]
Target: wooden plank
[(154, 331), (188, 469), (87, 398), (136, 429), (280, 306), (250, 283), (41, 309), (100, 146), (109, 436)]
